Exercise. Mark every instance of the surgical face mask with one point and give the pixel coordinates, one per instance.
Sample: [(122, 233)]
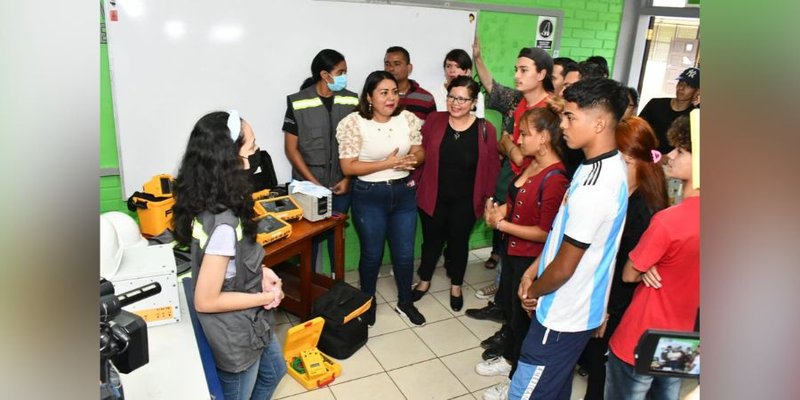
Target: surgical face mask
[(339, 83), (255, 161)]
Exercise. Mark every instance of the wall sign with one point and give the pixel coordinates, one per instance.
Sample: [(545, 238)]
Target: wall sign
[(545, 32)]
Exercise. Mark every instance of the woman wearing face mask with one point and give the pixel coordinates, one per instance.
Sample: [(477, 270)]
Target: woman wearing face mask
[(312, 115), (459, 175), (233, 294), (379, 144)]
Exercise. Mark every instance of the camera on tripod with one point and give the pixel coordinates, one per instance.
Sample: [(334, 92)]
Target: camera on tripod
[(123, 336)]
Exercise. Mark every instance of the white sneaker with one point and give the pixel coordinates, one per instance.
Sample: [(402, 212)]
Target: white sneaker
[(498, 391), (493, 366), (487, 292)]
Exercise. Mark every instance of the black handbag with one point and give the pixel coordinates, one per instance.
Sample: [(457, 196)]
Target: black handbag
[(345, 330)]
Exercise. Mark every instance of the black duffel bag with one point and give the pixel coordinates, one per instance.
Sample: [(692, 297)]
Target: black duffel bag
[(345, 330)]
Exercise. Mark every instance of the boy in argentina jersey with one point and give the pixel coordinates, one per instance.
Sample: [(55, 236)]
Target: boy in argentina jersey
[(568, 285)]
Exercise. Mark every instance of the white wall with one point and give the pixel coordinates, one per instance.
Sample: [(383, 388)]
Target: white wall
[(174, 61)]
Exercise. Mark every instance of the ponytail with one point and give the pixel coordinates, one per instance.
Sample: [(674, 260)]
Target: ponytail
[(310, 81), (636, 139)]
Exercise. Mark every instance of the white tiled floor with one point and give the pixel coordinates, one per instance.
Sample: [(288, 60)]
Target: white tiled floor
[(435, 361)]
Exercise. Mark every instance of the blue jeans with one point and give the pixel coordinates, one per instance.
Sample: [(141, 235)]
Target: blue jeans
[(384, 211), (622, 382), (340, 203), (258, 381)]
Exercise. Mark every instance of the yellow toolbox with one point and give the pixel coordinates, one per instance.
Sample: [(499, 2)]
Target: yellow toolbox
[(153, 205), (309, 366)]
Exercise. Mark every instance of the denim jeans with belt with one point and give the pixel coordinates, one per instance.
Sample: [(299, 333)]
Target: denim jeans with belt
[(260, 379), (381, 211)]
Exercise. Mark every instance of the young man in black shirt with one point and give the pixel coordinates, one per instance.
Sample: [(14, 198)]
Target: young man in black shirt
[(660, 112)]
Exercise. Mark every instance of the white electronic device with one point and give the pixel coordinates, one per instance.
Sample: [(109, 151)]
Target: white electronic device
[(141, 266), (314, 207)]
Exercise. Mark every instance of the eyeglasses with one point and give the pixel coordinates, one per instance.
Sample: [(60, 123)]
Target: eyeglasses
[(458, 100)]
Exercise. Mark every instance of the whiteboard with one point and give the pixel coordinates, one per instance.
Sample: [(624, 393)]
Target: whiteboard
[(172, 61)]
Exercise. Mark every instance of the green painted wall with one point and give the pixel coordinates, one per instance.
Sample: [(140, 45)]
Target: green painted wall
[(590, 27), (110, 186)]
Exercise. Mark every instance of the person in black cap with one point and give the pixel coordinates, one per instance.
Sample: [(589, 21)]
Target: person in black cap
[(660, 112)]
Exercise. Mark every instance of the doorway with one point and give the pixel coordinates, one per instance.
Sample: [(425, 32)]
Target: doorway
[(673, 44)]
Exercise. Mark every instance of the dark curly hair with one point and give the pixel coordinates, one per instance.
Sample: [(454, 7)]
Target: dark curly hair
[(679, 133), (211, 178)]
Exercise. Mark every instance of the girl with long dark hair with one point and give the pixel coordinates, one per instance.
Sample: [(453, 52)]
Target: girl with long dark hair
[(233, 294)]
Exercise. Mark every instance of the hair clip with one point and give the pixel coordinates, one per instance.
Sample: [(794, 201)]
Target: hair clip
[(656, 155), (234, 124)]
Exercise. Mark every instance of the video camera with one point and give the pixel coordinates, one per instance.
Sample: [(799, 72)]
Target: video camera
[(668, 353), (123, 336)]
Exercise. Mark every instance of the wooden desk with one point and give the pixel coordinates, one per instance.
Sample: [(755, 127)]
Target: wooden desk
[(301, 283)]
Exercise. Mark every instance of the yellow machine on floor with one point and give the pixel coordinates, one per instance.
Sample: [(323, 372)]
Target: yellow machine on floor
[(305, 363)]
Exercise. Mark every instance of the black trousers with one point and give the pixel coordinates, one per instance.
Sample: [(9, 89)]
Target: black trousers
[(517, 321), (451, 223), (593, 360)]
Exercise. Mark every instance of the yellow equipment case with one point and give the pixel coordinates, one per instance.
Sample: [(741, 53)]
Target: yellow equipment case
[(271, 228), (305, 363), (283, 207), (154, 205)]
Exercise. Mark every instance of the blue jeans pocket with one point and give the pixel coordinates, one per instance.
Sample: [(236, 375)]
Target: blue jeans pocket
[(362, 186)]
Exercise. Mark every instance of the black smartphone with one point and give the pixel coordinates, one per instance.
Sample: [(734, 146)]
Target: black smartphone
[(668, 353)]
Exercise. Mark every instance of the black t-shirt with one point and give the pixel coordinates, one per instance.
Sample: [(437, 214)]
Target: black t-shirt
[(659, 114), (637, 220), (458, 161), (289, 123)]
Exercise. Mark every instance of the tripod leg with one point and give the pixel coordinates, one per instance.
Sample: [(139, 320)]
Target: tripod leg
[(110, 384)]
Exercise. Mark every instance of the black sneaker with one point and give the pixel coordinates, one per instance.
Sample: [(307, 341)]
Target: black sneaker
[(491, 312), (411, 313), (492, 352), (495, 340)]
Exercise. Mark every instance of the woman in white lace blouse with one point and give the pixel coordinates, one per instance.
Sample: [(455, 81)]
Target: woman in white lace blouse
[(379, 144)]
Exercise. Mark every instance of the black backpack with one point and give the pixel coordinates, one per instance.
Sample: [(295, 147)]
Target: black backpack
[(340, 338)]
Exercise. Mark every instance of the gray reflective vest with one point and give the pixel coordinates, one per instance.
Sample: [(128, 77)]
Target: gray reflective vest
[(236, 338), (316, 132)]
